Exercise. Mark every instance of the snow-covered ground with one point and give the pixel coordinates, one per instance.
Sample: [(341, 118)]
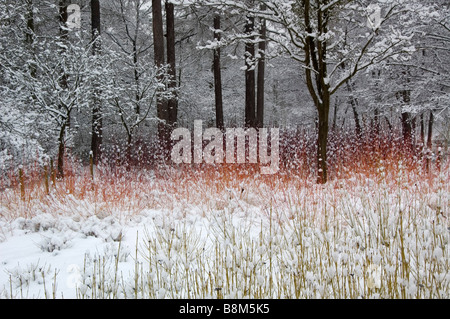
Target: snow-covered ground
[(353, 238), (33, 251)]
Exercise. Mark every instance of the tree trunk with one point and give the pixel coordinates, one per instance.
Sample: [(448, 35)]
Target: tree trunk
[(97, 123), (61, 151), (322, 141), (336, 103), (250, 111), (29, 35), (422, 131), (377, 122), (316, 60), (129, 151), (158, 45), (136, 75), (261, 73), (406, 121), (95, 26), (218, 76), (171, 60), (429, 140), (430, 131), (354, 104), (63, 33), (30, 23)]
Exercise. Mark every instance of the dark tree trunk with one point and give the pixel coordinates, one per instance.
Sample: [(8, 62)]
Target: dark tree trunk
[(30, 22), (406, 121), (336, 103), (61, 151), (158, 35), (171, 60), (158, 45), (429, 140), (322, 142), (377, 122), (97, 123), (316, 60), (430, 131), (406, 129), (250, 111), (63, 33), (29, 36), (218, 77), (261, 73), (422, 131), (136, 76), (95, 25), (354, 104)]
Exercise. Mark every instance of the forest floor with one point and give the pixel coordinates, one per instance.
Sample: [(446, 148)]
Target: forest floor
[(218, 233)]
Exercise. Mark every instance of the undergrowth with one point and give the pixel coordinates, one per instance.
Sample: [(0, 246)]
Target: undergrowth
[(378, 229)]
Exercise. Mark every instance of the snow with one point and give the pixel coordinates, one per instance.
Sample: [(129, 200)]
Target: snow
[(232, 243)]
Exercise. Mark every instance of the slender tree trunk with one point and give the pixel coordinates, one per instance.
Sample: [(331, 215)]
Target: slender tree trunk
[(429, 140), (422, 131), (316, 60), (406, 121), (430, 131), (377, 122), (137, 97), (29, 36), (63, 33), (322, 141), (30, 22), (336, 103), (406, 129), (97, 123), (218, 76), (171, 60), (354, 104), (158, 45), (63, 18), (261, 73), (129, 151), (61, 151), (95, 26), (250, 111)]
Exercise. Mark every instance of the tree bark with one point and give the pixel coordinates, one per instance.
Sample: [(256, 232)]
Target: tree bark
[(29, 35), (261, 73), (171, 60), (333, 126), (218, 76), (429, 140), (61, 151), (63, 33), (422, 131), (158, 45), (250, 111), (95, 26), (406, 121), (354, 103), (316, 60), (430, 131), (322, 141), (377, 122), (97, 123)]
